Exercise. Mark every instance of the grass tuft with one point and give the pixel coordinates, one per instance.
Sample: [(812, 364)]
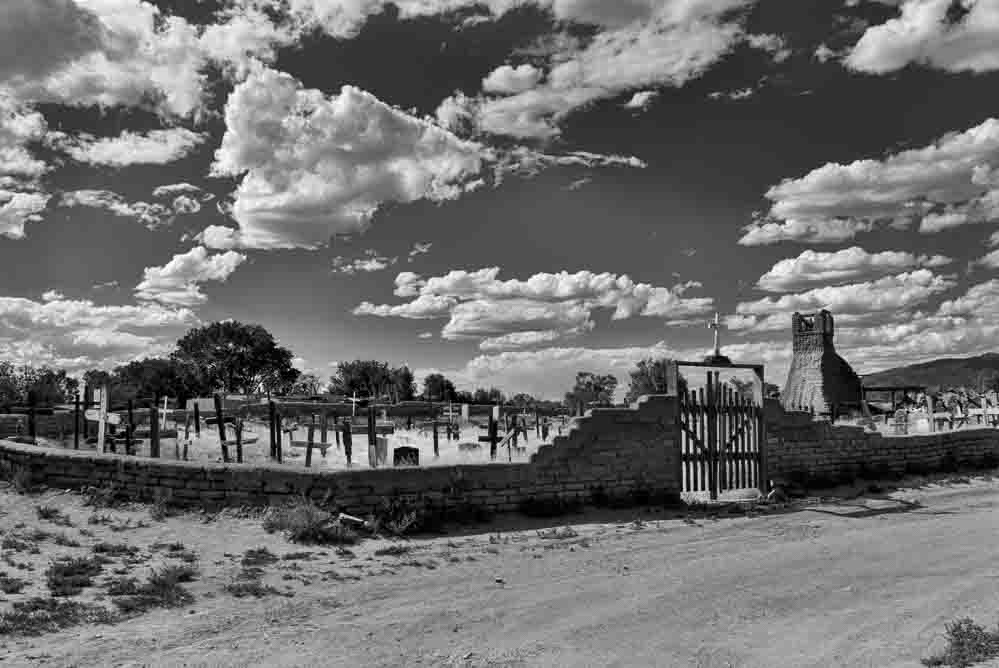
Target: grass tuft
[(37, 616), (305, 522), (967, 644), (68, 576), (161, 590)]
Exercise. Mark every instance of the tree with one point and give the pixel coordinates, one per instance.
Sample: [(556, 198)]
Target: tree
[(403, 384), (438, 388), (156, 377), (464, 397), (592, 388), (745, 389), (368, 378), (523, 401), (649, 377), (234, 357), (308, 384), (9, 390), (491, 396)]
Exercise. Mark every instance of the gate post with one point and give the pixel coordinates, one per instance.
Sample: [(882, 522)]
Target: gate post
[(712, 415)]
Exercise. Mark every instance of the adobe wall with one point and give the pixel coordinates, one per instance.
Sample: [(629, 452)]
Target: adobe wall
[(623, 454), (801, 448)]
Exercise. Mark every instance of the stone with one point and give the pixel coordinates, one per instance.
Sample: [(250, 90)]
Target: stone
[(406, 456)]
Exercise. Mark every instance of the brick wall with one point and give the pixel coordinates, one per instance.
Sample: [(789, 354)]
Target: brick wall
[(800, 448), (610, 454)]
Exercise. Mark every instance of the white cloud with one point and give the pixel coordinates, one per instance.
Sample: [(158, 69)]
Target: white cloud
[(156, 147), (637, 45), (923, 35), (372, 261), (313, 165), (508, 80), (813, 267), (18, 127), (950, 182), (526, 339), (481, 306), (52, 295), (425, 335), (740, 94), (19, 208), (772, 44), (174, 189), (178, 281), (153, 216), (79, 335), (420, 249), (888, 295), (643, 99)]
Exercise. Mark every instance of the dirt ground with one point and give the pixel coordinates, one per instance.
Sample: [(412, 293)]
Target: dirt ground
[(836, 581)]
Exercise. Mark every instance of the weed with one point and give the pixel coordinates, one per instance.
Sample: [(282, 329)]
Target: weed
[(107, 496), (20, 478), (16, 544), (258, 556), (161, 509), (45, 615), (103, 518), (290, 556), (68, 576), (115, 549), (54, 515), (967, 644), (161, 590), (305, 522), (255, 588), (65, 540), (557, 534), (11, 585), (394, 551)]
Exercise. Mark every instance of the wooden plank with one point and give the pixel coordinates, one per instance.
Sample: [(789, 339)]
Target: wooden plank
[(220, 419)]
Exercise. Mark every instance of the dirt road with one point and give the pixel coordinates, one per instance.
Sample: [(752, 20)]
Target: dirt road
[(861, 583)]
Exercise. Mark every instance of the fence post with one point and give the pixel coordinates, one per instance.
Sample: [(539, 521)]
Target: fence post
[(239, 440), (129, 428), (76, 422), (154, 428), (347, 440), (31, 420), (372, 436), (308, 446), (712, 415), (437, 452), (272, 423), (197, 420), (277, 428), (221, 423)]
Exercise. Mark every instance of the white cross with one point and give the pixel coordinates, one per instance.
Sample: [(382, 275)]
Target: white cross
[(716, 325)]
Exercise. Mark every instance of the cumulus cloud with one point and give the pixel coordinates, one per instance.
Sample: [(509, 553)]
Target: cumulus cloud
[(152, 215), (79, 334), (948, 183), (924, 34), (19, 208), (372, 261), (174, 189), (508, 80), (518, 313), (178, 281), (642, 100), (313, 166), (775, 45), (419, 249), (156, 147), (813, 268), (637, 45), (890, 294)]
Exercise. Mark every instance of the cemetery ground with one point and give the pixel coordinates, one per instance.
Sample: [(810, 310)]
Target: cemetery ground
[(867, 575)]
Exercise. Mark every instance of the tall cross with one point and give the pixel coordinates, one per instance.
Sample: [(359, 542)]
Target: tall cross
[(716, 325)]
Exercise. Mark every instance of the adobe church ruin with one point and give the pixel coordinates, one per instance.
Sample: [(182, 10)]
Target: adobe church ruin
[(819, 378)]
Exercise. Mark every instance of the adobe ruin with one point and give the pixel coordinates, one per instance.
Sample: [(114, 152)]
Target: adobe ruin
[(819, 379)]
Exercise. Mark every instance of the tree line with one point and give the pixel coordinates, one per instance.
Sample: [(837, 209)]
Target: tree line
[(238, 358)]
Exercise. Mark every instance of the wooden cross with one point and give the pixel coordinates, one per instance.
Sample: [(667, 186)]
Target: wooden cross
[(716, 325)]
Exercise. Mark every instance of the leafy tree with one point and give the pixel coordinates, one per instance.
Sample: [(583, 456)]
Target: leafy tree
[(156, 376), (234, 357), (650, 377), (464, 397), (491, 396), (368, 378), (522, 400), (438, 388), (592, 388), (307, 383), (403, 384), (10, 392)]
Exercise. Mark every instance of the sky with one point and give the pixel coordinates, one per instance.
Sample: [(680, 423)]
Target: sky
[(505, 191)]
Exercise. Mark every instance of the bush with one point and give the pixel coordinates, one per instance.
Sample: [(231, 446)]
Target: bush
[(161, 590), (53, 514), (68, 576), (967, 644), (305, 522), (115, 549), (45, 615), (9, 585)]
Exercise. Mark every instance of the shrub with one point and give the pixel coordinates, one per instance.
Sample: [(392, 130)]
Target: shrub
[(10, 585), (53, 514), (393, 551), (68, 576), (106, 496), (258, 556), (161, 590), (115, 549), (305, 522), (967, 644), (255, 588), (45, 615)]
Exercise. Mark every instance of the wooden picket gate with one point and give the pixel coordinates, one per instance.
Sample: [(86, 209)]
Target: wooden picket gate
[(722, 440)]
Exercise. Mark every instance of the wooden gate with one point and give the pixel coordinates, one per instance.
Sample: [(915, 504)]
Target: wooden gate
[(722, 440)]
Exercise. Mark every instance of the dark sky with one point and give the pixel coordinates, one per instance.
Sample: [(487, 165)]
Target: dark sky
[(753, 115)]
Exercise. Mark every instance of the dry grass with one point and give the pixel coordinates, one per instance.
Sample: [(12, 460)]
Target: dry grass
[(161, 590), (37, 616), (305, 522), (69, 575)]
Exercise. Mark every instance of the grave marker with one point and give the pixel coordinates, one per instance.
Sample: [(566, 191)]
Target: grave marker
[(406, 456)]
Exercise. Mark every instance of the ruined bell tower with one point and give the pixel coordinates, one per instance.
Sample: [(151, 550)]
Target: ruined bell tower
[(819, 378)]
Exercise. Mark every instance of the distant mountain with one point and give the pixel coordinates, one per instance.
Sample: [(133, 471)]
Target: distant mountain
[(971, 372)]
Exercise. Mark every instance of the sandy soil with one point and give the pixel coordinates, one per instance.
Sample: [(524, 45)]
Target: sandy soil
[(867, 581)]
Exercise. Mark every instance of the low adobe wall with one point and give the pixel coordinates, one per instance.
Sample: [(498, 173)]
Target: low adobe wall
[(57, 425), (799, 447), (612, 454)]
